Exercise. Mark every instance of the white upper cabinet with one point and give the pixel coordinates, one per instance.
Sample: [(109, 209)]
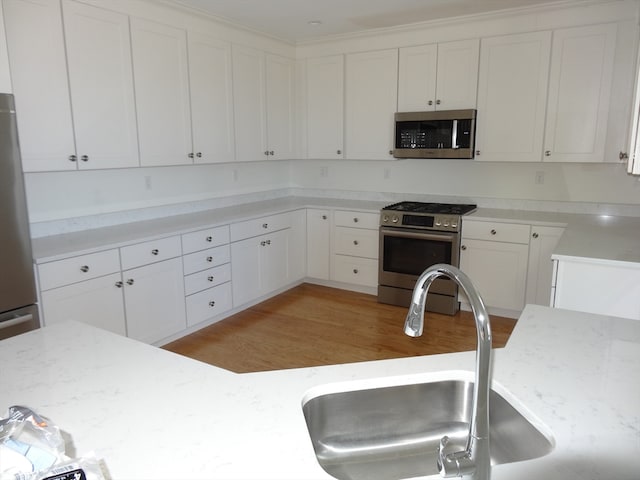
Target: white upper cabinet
[(211, 99), (371, 101), (438, 77), (512, 94), (280, 88), (162, 93), (325, 107), (101, 80), (38, 72), (250, 104), (582, 62)]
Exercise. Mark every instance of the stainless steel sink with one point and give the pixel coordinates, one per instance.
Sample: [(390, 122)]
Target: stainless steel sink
[(394, 432)]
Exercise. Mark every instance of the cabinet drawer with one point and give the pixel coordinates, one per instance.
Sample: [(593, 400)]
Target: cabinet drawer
[(345, 218), (150, 252), (195, 262), (208, 278), (203, 239), (357, 242), (496, 231), (359, 271), (259, 226), (208, 303), (76, 269)]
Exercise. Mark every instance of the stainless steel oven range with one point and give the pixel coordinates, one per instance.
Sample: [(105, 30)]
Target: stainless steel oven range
[(414, 236)]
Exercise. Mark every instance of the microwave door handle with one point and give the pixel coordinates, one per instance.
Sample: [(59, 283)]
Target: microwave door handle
[(454, 134)]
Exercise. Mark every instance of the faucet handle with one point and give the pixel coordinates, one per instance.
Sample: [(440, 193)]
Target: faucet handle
[(453, 464)]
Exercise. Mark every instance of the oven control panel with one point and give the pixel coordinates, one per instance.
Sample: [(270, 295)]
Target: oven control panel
[(449, 223)]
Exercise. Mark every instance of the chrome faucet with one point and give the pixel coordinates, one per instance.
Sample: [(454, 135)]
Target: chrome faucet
[(474, 460)]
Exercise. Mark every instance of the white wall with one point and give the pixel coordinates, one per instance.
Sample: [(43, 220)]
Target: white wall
[(5, 79), (594, 183)]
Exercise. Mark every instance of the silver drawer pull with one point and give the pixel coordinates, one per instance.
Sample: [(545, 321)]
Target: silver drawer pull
[(209, 239), (265, 225), (119, 284), (73, 158), (84, 158), (355, 242), (209, 259), (324, 217), (268, 242), (263, 243), (355, 270), (355, 220), (463, 247), (84, 268), (212, 303), (155, 251), (535, 235), (130, 281), (493, 232), (210, 278)]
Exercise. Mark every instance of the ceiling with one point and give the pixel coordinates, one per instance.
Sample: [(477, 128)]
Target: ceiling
[(289, 19)]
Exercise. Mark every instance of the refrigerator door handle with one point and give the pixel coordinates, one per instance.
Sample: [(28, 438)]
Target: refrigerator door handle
[(16, 321)]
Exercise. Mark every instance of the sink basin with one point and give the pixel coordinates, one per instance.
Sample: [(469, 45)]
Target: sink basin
[(393, 432)]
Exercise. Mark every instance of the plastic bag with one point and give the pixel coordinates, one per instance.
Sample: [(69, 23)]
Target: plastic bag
[(32, 448)]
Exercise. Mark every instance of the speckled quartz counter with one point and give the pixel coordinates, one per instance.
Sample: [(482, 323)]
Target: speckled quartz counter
[(153, 414)]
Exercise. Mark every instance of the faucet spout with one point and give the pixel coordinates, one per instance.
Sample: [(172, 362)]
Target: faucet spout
[(474, 460)]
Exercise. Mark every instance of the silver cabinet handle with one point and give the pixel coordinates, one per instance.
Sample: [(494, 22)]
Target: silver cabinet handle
[(438, 102), (199, 154), (355, 270), (84, 268), (265, 225), (268, 242), (463, 247), (263, 243), (493, 232), (477, 152), (209, 259), (210, 278), (355, 219), (547, 153), (266, 152), (535, 235), (119, 284), (271, 152), (155, 251), (84, 158), (623, 156), (355, 242), (73, 158), (430, 102), (130, 281), (190, 155), (324, 217), (209, 238), (212, 303), (339, 152)]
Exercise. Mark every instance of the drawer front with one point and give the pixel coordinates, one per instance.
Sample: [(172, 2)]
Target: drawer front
[(346, 218), (357, 242), (359, 271), (76, 269), (495, 231), (203, 239), (150, 252), (199, 281), (196, 262), (208, 303), (259, 226)]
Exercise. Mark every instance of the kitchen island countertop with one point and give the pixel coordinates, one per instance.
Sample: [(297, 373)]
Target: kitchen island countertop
[(154, 414)]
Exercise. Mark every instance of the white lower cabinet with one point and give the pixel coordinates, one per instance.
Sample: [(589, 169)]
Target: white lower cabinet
[(97, 302), (540, 271), (495, 257), (318, 243)]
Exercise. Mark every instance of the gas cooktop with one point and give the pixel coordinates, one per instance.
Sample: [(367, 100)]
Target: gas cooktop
[(431, 208)]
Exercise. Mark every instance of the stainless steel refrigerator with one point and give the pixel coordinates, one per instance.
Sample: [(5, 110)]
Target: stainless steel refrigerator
[(18, 312)]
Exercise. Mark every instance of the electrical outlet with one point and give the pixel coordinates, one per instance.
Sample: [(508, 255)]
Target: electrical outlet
[(539, 178)]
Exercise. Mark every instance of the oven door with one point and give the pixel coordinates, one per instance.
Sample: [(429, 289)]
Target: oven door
[(406, 253)]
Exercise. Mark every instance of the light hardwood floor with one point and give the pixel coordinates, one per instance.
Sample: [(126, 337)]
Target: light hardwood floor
[(314, 325)]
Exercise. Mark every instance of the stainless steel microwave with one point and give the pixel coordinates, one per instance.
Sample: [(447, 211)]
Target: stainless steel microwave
[(439, 134)]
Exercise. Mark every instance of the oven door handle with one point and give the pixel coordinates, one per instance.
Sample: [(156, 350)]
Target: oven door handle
[(419, 234)]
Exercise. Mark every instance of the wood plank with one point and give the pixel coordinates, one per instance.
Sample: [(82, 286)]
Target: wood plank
[(314, 325)]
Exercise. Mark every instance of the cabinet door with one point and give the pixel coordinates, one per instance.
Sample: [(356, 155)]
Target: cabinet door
[(579, 90), (325, 107), (318, 243), (211, 90), (162, 93), (97, 302), (274, 261), (512, 90), (280, 81), (417, 67), (101, 81), (249, 103), (498, 270), (245, 270), (154, 300), (371, 100), (40, 84), (540, 270), (457, 77)]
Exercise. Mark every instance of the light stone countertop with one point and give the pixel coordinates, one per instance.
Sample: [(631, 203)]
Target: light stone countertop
[(154, 414)]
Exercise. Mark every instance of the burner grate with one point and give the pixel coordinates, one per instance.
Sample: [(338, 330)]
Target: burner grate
[(439, 208)]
